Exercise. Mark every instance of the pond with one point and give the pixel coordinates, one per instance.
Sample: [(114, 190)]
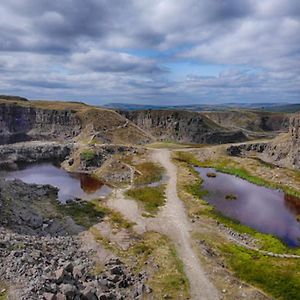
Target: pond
[(70, 185), (263, 209)]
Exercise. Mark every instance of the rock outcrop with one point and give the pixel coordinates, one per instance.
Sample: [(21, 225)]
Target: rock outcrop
[(253, 121), (37, 122), (283, 150), (25, 208), (29, 152), (95, 156), (241, 149), (183, 126)]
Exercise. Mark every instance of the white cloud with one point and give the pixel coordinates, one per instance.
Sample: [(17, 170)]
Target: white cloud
[(118, 49)]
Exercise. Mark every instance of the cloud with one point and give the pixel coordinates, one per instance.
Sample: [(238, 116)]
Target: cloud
[(112, 61), (119, 49)]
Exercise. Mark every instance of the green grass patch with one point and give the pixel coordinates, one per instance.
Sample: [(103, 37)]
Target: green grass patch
[(152, 198), (85, 214), (87, 155), (149, 172), (118, 220), (196, 189), (89, 213), (186, 157), (278, 277)]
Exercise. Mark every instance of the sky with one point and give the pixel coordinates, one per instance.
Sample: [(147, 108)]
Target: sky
[(159, 52)]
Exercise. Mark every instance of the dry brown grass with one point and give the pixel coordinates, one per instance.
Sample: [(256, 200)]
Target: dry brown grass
[(43, 104)]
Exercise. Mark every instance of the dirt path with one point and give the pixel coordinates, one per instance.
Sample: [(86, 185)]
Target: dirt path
[(174, 223)]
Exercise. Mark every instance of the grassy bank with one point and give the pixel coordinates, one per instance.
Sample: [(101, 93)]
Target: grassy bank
[(228, 166), (149, 172), (276, 276), (267, 242), (152, 198)]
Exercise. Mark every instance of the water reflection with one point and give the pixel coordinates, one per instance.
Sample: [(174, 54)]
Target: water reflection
[(292, 203), (70, 185), (89, 184), (266, 210)]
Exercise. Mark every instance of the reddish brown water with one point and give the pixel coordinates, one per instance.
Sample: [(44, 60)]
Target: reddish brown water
[(266, 210), (70, 185)]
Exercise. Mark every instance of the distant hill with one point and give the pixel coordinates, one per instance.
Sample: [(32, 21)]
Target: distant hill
[(271, 107), (287, 108), (12, 98)]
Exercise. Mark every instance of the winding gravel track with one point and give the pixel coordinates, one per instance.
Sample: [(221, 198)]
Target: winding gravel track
[(173, 221)]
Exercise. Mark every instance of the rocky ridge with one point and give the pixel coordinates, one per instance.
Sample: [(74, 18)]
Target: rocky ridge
[(66, 121)]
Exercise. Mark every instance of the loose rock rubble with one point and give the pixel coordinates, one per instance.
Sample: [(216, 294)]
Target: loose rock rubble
[(243, 238), (52, 268), (26, 208)]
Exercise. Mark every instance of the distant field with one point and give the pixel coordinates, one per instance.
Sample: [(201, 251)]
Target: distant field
[(272, 107)]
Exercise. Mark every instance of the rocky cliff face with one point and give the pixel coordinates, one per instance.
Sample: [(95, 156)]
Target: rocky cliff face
[(18, 119), (28, 120), (33, 152), (284, 150), (182, 126), (251, 120)]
